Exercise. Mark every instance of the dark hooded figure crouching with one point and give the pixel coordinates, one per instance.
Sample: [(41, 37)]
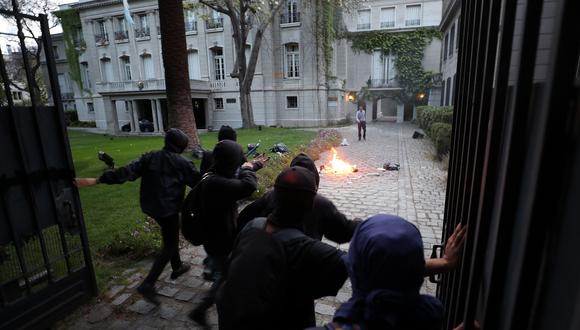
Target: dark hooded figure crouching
[(164, 175)]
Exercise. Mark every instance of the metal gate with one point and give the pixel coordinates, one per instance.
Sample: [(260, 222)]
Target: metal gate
[(515, 167), (45, 263)]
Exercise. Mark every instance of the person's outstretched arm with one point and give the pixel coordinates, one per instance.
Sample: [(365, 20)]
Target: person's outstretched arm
[(451, 253)]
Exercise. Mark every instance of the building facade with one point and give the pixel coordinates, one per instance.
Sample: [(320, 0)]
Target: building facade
[(122, 68), (449, 51)]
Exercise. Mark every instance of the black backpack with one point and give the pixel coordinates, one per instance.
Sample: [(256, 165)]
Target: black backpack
[(192, 225)]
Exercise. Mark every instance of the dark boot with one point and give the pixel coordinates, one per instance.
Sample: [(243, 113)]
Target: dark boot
[(180, 271), (148, 292)]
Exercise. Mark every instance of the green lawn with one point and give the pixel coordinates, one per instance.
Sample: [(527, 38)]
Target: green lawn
[(115, 224)]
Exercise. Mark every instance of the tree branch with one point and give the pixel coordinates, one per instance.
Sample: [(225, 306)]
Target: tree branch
[(215, 7)]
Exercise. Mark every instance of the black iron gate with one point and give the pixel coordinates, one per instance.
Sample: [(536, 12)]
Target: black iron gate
[(515, 167), (45, 264)]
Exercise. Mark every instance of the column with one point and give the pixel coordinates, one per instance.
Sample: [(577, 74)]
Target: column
[(135, 110), (129, 105), (111, 116), (400, 112), (160, 116), (154, 115)]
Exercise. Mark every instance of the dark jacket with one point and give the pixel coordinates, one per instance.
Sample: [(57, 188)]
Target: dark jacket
[(219, 208), (164, 175), (207, 161), (324, 219)]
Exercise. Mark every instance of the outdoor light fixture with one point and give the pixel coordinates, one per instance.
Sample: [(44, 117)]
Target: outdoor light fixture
[(351, 98), (421, 96)]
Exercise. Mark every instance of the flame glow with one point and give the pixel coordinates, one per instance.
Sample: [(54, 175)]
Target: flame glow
[(338, 166)]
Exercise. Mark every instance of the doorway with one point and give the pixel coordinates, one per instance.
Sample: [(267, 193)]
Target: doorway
[(199, 112)]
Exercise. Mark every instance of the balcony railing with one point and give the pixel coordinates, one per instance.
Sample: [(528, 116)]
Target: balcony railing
[(388, 24), (102, 39), (146, 85), (366, 26), (214, 23), (413, 22), (67, 95), (121, 35), (288, 18), (142, 32), (190, 26), (383, 83)]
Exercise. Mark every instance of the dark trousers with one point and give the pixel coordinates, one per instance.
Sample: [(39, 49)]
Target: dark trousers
[(170, 250), (362, 125), (218, 264)]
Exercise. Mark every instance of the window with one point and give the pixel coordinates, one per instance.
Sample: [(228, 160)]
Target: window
[(147, 63), (364, 20), (215, 21), (101, 36), (292, 61), (388, 17), (454, 84), (445, 46), (291, 14), (190, 22), (126, 67), (63, 83), (90, 107), (142, 29), (452, 41), (219, 104), (55, 52), (230, 101), (106, 69), (193, 64), (448, 91), (85, 73), (442, 103), (121, 33), (218, 64), (413, 17), (292, 102), (458, 35), (17, 96)]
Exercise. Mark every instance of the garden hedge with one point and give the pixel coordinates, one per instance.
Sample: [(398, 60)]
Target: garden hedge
[(427, 115), (441, 136)]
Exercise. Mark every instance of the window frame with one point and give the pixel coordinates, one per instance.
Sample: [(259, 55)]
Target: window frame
[(288, 107), (407, 14), (292, 63)]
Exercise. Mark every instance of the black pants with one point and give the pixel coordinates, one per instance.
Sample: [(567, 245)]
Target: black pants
[(218, 264), (363, 125), (170, 250)]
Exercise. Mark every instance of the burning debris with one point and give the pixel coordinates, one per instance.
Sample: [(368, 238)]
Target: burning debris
[(337, 165)]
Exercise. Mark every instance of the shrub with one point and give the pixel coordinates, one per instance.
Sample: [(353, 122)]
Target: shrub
[(82, 124), (71, 116), (427, 115), (441, 136)]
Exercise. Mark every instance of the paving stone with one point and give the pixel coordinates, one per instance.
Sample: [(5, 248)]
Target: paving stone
[(185, 295), (168, 291), (324, 309), (193, 283), (114, 290), (99, 313), (142, 307), (167, 312), (121, 299), (134, 284)]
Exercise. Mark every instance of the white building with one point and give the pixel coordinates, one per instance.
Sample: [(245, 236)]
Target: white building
[(122, 67), (449, 50)]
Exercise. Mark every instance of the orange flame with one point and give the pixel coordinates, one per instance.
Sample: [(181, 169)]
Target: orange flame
[(338, 166)]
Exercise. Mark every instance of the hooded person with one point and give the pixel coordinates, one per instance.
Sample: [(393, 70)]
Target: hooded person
[(164, 175), (323, 219), (225, 133), (386, 266), (275, 271), (228, 181)]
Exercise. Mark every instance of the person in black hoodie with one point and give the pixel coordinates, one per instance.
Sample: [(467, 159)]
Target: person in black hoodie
[(220, 192), (324, 219), (164, 175), (207, 160)]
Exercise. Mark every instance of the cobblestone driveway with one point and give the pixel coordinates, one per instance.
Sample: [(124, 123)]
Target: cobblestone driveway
[(415, 192)]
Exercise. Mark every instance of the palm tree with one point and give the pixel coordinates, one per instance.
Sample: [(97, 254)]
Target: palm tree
[(179, 107)]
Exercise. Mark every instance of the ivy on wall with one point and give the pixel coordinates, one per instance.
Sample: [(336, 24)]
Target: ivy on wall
[(408, 48), (71, 23)]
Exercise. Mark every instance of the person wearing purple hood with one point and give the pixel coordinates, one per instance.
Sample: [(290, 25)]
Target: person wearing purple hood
[(386, 266)]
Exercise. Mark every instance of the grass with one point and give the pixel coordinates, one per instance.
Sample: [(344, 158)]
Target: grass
[(117, 229)]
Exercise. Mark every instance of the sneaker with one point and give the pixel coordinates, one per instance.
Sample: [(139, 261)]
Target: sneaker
[(148, 292), (180, 271)]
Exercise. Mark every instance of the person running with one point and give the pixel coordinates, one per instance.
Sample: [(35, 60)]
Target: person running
[(361, 120), (164, 175)]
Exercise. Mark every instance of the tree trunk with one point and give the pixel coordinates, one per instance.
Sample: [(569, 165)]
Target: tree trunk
[(246, 109), (179, 106)]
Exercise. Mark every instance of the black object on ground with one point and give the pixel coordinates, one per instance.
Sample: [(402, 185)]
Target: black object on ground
[(280, 147), (391, 166), (418, 135)]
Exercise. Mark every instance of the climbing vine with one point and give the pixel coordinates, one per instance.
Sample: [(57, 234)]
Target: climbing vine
[(408, 48), (71, 23)]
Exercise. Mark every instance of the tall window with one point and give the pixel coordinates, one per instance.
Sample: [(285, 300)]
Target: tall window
[(193, 64), (190, 22), (86, 74), (106, 69), (121, 33), (448, 91), (291, 15), (443, 93), (215, 21), (445, 46), (63, 83), (147, 63), (364, 20), (413, 17), (218, 64), (452, 41), (55, 52), (388, 17), (101, 36), (292, 60), (142, 28), (126, 67)]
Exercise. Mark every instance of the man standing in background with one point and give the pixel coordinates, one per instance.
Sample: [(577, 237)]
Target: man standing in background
[(361, 120)]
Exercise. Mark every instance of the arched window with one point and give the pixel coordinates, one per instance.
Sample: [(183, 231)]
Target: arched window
[(292, 61)]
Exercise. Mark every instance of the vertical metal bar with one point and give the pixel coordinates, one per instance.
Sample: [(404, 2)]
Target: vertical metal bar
[(21, 147), (51, 68)]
